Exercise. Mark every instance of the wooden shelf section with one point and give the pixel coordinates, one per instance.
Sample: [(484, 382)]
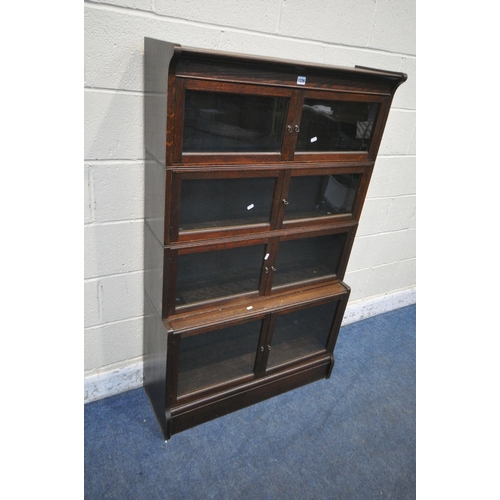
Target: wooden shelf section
[(246, 309)]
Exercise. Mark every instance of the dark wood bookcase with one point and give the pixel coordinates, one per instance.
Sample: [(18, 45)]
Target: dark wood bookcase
[(256, 174)]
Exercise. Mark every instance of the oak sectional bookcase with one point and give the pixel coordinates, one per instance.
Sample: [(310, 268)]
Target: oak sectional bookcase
[(256, 174)]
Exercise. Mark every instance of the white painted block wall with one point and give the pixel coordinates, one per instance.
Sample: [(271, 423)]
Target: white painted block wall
[(375, 33)]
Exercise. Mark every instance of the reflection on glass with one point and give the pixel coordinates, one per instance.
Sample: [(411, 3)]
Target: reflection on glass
[(301, 333), (217, 356), (308, 258), (336, 125), (318, 196), (221, 122), (213, 275), (212, 203)]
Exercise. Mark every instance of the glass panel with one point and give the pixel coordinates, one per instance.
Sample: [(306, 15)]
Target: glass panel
[(336, 125), (301, 333), (217, 356), (318, 196), (216, 121), (212, 275), (308, 258), (212, 203)]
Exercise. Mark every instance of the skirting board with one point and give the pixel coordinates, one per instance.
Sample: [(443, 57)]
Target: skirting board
[(124, 378), (363, 309)]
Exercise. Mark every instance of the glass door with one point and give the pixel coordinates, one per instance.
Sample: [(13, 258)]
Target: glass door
[(208, 274), (336, 123), (230, 121), (301, 333), (300, 259), (328, 125), (216, 122), (214, 203), (217, 357), (321, 196)]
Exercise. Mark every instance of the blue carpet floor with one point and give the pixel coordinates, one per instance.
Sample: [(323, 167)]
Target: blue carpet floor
[(350, 437)]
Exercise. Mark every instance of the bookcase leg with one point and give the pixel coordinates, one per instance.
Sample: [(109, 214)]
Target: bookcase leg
[(332, 362), (167, 430)]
